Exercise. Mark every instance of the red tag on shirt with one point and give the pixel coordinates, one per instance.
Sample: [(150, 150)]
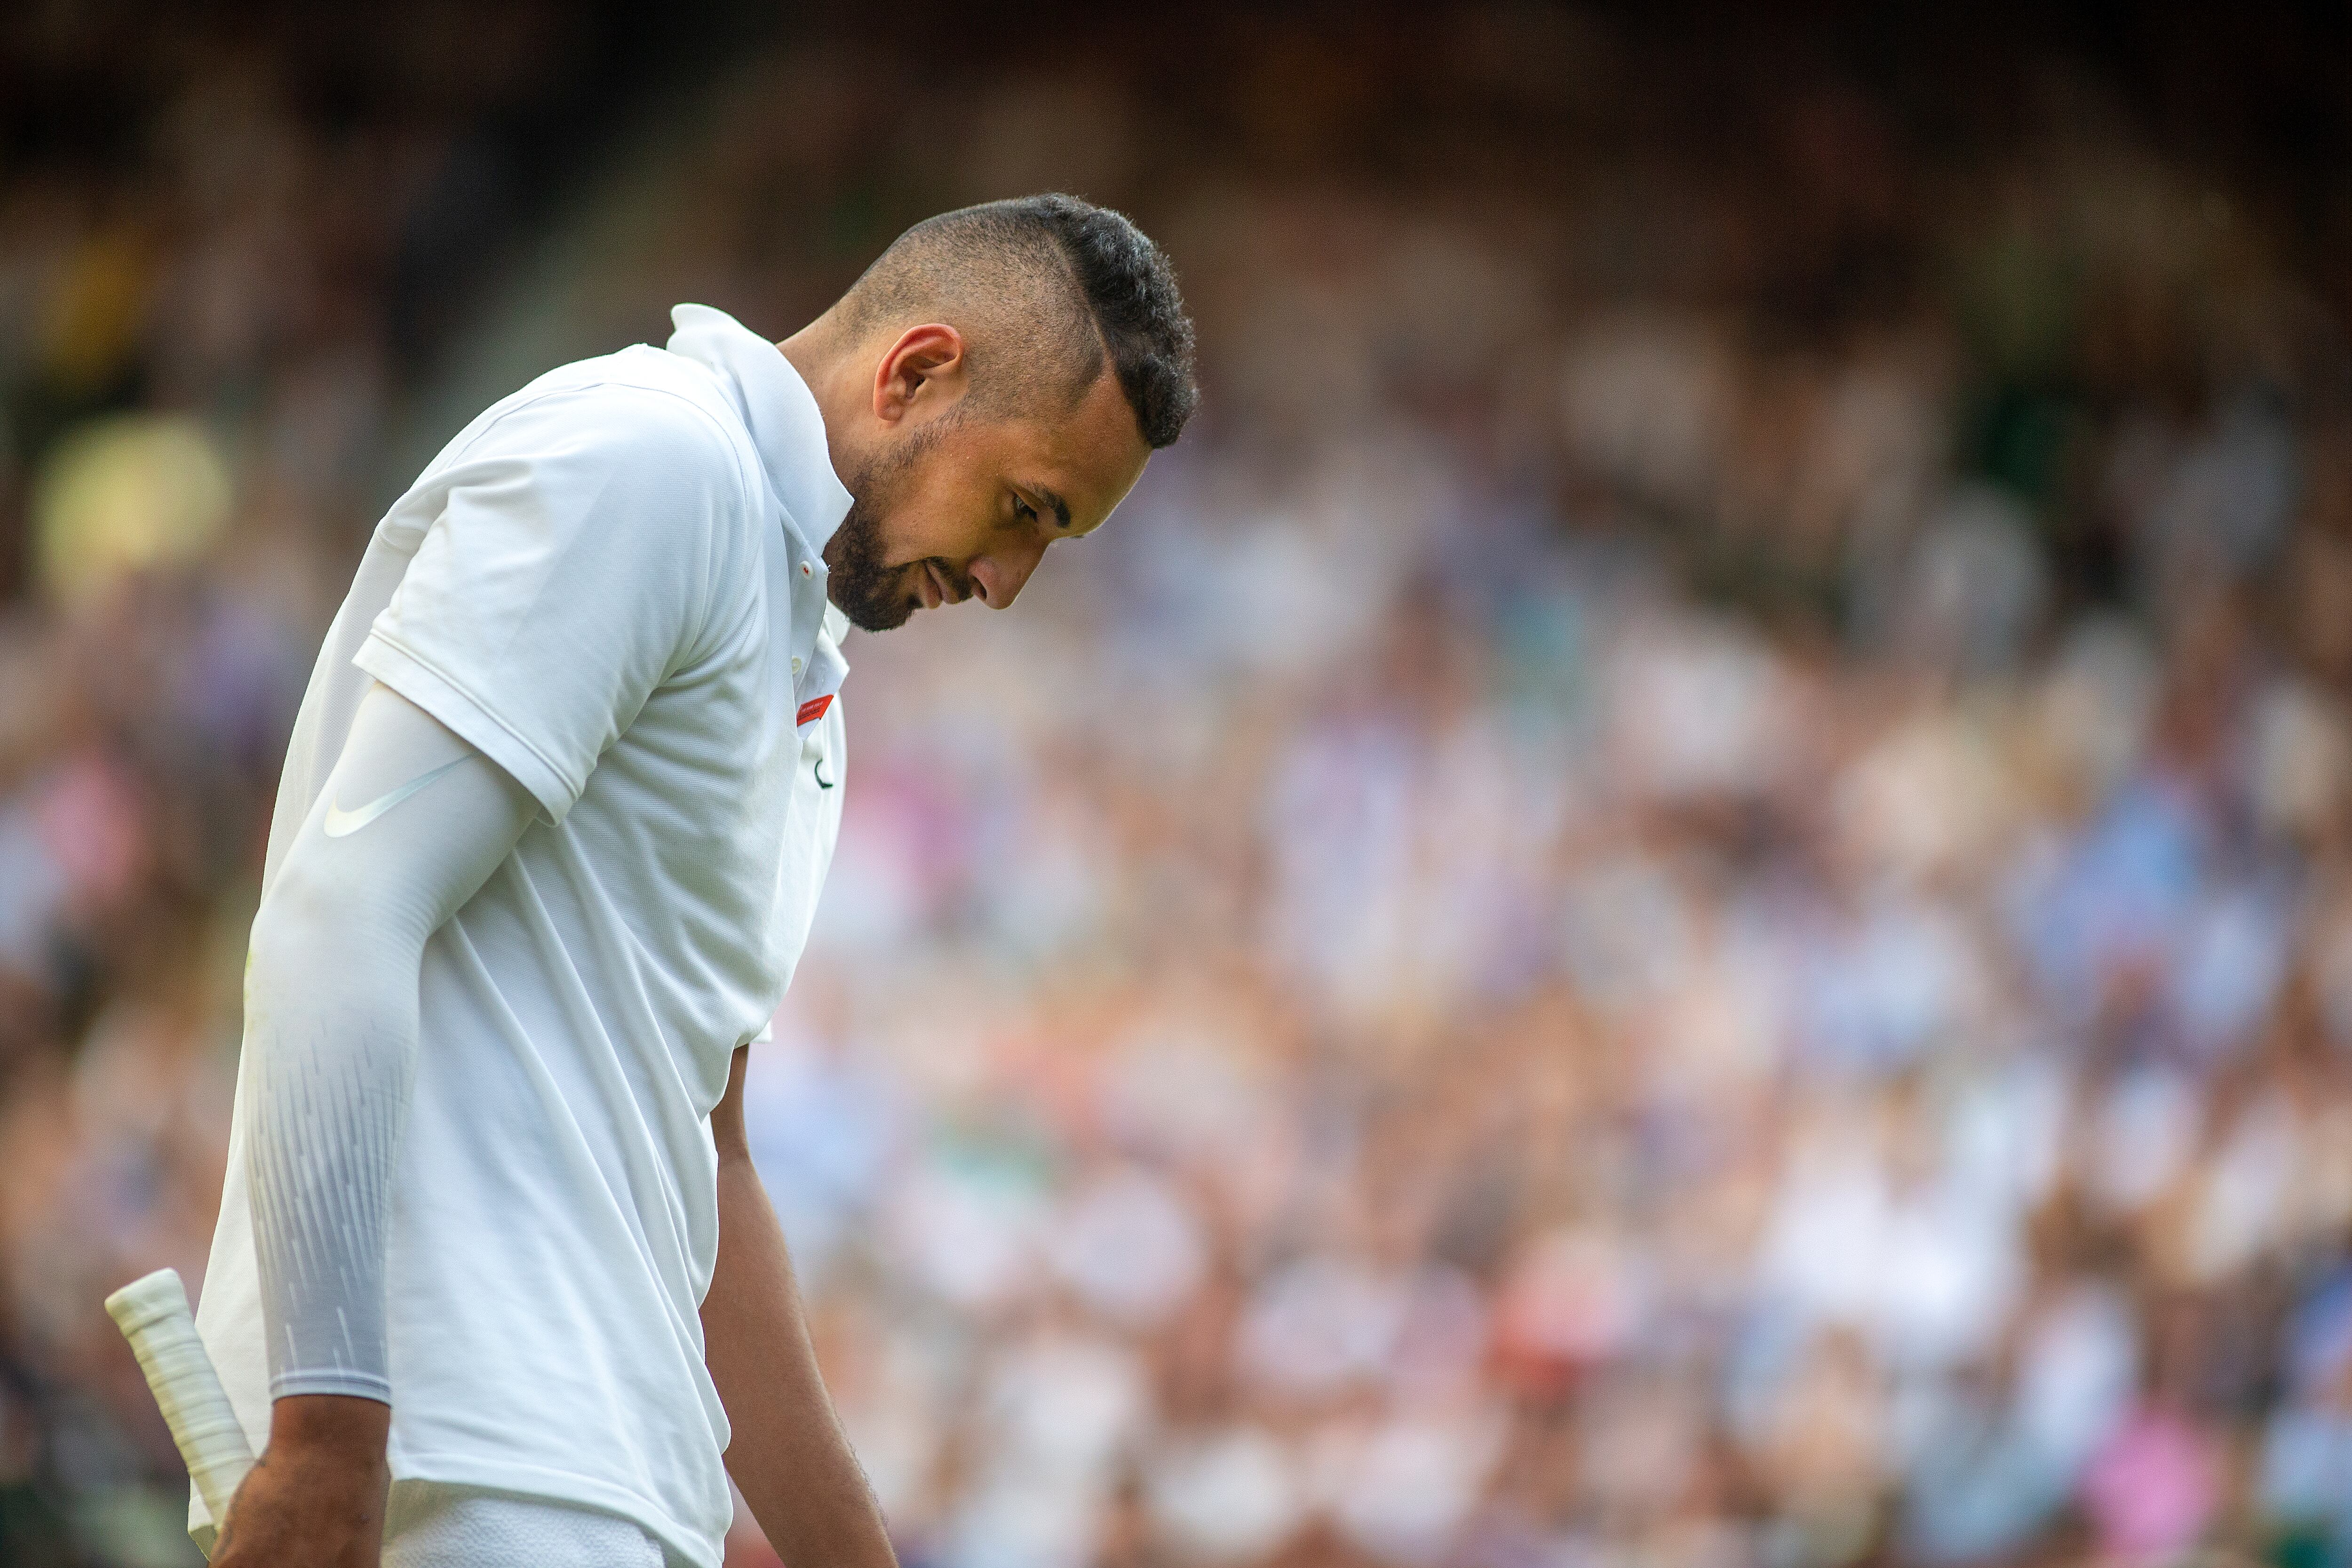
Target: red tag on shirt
[(813, 709)]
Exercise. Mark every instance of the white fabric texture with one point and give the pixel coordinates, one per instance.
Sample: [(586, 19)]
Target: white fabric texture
[(429, 1525), (610, 584), (412, 822)]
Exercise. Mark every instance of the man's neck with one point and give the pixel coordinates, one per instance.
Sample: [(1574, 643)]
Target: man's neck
[(815, 352)]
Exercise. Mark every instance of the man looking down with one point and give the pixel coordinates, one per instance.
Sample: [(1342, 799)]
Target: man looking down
[(494, 1280)]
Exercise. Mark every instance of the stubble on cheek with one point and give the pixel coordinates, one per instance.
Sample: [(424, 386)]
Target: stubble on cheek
[(874, 595)]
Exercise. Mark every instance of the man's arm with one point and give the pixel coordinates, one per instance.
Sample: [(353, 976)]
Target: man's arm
[(410, 823), (788, 1455)]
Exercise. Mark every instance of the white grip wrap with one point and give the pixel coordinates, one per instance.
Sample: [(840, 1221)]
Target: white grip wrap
[(152, 1314)]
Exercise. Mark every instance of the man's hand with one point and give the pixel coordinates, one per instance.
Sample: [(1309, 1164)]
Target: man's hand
[(315, 1498)]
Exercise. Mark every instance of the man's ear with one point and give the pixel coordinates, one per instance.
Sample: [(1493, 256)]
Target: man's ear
[(925, 365)]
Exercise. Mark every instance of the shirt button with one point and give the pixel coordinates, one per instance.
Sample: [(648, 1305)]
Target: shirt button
[(796, 666), (804, 568)]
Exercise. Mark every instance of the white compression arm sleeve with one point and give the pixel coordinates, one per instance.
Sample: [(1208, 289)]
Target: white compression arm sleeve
[(413, 820)]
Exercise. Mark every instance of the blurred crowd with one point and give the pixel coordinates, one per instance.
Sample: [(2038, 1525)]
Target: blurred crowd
[(1678, 894)]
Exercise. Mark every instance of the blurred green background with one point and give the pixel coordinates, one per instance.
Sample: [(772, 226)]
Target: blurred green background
[(1678, 894)]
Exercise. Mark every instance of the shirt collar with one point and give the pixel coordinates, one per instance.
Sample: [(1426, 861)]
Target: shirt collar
[(777, 408)]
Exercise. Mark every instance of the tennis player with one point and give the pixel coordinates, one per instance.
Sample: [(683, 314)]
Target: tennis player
[(494, 1280)]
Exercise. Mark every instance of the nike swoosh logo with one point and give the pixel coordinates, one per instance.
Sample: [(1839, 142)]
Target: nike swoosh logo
[(340, 821)]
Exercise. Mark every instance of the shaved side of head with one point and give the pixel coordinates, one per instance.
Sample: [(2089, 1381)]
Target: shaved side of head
[(1047, 291)]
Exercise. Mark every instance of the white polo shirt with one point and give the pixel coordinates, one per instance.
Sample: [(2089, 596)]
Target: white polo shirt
[(610, 582)]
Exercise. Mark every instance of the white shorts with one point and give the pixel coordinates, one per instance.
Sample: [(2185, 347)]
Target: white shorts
[(434, 1524)]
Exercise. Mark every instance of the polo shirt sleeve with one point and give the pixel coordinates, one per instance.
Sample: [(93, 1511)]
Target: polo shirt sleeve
[(571, 572)]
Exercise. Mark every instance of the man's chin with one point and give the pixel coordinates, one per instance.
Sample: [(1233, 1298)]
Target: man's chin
[(878, 612), (874, 597)]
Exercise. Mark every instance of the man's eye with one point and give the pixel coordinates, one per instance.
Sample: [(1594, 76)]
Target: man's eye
[(1022, 509)]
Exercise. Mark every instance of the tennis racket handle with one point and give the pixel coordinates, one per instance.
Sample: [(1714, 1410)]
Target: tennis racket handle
[(154, 1315)]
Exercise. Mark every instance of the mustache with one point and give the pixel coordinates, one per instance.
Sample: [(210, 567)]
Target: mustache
[(960, 587)]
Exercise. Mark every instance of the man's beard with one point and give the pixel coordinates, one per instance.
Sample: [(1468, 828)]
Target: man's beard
[(871, 594)]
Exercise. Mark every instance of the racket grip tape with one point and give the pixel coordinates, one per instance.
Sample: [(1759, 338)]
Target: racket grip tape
[(152, 1313)]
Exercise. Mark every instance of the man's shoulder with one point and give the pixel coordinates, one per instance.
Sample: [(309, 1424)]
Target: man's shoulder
[(638, 432), (642, 410), (642, 396)]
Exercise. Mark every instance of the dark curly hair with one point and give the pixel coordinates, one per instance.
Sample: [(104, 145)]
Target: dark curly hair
[(1079, 276)]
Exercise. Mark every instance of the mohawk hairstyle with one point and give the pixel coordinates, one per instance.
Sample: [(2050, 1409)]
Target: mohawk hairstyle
[(1050, 272)]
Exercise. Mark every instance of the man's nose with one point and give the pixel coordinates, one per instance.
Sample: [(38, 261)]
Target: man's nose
[(999, 575)]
